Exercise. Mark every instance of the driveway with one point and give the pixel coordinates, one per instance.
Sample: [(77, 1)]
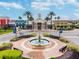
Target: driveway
[(8, 37), (72, 36)]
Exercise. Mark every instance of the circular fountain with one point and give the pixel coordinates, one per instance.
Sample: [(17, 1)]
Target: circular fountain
[(39, 41)]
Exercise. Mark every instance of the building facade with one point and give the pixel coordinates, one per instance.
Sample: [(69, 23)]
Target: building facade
[(41, 24), (20, 23), (4, 21), (64, 24), (46, 25)]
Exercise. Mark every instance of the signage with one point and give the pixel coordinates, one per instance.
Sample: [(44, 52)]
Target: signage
[(14, 29)]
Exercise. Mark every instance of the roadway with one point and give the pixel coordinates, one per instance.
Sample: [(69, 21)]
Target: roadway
[(72, 36)]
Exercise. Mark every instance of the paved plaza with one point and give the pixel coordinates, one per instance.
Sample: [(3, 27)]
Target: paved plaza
[(47, 52), (39, 53)]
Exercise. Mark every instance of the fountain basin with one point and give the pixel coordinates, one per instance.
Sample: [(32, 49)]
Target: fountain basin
[(35, 42)]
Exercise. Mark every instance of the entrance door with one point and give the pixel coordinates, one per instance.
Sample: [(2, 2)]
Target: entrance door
[(39, 26)]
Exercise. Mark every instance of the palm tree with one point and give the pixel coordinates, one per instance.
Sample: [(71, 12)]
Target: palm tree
[(47, 18), (19, 17), (31, 18), (58, 17), (51, 14), (28, 14), (55, 18)]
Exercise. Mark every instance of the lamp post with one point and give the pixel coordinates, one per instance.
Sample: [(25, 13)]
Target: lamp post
[(14, 31), (60, 31)]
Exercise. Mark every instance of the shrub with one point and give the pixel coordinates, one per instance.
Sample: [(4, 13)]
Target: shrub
[(24, 36), (5, 46), (74, 47), (27, 58), (11, 54), (14, 39), (1, 57), (70, 45), (46, 34), (53, 36), (33, 34), (64, 40), (52, 58)]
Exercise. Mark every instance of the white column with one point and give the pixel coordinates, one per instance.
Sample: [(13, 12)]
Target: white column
[(35, 26)]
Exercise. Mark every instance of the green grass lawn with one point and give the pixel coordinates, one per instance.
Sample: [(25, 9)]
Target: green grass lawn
[(5, 32)]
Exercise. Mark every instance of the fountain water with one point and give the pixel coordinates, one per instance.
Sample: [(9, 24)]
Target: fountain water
[(39, 41)]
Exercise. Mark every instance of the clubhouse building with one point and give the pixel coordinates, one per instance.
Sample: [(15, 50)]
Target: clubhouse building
[(54, 24), (41, 24), (50, 25)]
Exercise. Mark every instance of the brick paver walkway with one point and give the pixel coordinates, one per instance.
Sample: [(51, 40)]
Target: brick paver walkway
[(39, 54)]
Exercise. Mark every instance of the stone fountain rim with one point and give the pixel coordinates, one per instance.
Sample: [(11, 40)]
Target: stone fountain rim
[(38, 44), (30, 49)]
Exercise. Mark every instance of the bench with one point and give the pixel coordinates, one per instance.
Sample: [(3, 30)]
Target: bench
[(63, 49)]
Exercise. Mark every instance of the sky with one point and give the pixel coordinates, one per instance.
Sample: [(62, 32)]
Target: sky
[(66, 9)]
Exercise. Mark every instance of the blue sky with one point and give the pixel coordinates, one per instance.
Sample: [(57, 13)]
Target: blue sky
[(66, 9)]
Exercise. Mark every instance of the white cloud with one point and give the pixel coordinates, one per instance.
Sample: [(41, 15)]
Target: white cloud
[(73, 2), (40, 4), (12, 5), (76, 14)]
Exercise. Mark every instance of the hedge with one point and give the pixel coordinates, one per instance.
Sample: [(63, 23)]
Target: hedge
[(5, 46), (46, 34), (1, 57), (63, 40), (33, 34), (11, 54), (74, 47)]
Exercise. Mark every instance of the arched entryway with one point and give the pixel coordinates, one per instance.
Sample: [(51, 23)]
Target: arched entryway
[(39, 26)]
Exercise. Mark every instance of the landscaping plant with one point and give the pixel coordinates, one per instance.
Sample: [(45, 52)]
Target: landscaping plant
[(52, 58), (10, 54)]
